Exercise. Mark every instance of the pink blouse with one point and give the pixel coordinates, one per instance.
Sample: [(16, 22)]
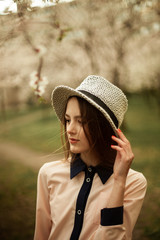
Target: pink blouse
[(56, 205)]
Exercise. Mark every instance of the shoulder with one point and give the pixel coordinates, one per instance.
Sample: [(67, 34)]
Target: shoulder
[(53, 167), (136, 180), (136, 176)]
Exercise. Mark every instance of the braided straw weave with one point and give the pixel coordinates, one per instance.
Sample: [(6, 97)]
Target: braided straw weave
[(108, 93)]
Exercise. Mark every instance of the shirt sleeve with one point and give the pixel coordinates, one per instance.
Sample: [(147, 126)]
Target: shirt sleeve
[(118, 223), (43, 214)]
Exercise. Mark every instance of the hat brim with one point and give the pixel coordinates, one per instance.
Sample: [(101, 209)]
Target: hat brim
[(60, 96)]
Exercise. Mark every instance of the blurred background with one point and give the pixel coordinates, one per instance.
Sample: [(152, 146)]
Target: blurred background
[(47, 43)]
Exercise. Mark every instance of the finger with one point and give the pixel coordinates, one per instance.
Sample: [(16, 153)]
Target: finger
[(117, 148), (118, 140), (127, 157), (122, 136), (124, 145)]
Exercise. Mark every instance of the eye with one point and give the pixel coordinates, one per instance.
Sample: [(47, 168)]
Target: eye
[(67, 120), (82, 122)]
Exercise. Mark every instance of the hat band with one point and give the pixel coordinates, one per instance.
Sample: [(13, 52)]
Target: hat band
[(101, 104)]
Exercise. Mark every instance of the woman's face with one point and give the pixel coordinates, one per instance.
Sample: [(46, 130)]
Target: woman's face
[(76, 136)]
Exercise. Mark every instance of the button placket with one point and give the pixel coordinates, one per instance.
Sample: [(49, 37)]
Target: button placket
[(90, 169), (81, 202), (88, 179), (79, 212)]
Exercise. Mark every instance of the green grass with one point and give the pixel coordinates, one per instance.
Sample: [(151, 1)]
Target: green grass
[(17, 201), (12, 114), (143, 131), (143, 122), (42, 133)]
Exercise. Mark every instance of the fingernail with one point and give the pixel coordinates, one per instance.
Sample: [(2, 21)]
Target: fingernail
[(113, 136), (112, 145), (119, 130)]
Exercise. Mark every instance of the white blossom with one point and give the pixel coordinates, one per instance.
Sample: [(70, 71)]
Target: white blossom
[(40, 91), (38, 83), (33, 80), (43, 81)]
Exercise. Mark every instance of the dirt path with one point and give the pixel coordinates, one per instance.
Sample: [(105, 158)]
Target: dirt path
[(14, 152)]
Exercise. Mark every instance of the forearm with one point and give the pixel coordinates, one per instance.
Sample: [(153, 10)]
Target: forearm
[(116, 198), (122, 164)]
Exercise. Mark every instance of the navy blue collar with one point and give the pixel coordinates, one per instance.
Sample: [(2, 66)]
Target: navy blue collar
[(78, 166)]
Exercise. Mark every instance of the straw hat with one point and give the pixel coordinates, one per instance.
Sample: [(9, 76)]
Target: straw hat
[(99, 92)]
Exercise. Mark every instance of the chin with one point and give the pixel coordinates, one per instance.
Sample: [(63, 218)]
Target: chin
[(74, 151)]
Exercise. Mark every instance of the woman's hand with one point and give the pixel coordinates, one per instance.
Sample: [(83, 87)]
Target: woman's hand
[(124, 157)]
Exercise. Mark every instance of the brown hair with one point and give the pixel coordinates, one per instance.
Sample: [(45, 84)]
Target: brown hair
[(98, 133)]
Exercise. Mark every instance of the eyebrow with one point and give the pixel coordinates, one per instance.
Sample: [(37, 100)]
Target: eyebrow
[(78, 116)]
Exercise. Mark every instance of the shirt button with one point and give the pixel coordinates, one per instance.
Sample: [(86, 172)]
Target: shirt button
[(88, 180), (90, 169), (79, 212)]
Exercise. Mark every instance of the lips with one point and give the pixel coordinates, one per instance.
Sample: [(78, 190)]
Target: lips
[(73, 140)]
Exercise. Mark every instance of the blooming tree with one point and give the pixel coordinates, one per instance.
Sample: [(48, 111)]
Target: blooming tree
[(102, 31), (38, 84)]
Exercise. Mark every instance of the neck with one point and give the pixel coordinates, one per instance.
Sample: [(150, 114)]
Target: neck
[(90, 158)]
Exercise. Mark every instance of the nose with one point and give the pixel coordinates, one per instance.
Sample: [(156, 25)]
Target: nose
[(71, 128)]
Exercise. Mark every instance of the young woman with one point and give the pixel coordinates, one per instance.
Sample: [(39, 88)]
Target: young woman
[(93, 194)]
